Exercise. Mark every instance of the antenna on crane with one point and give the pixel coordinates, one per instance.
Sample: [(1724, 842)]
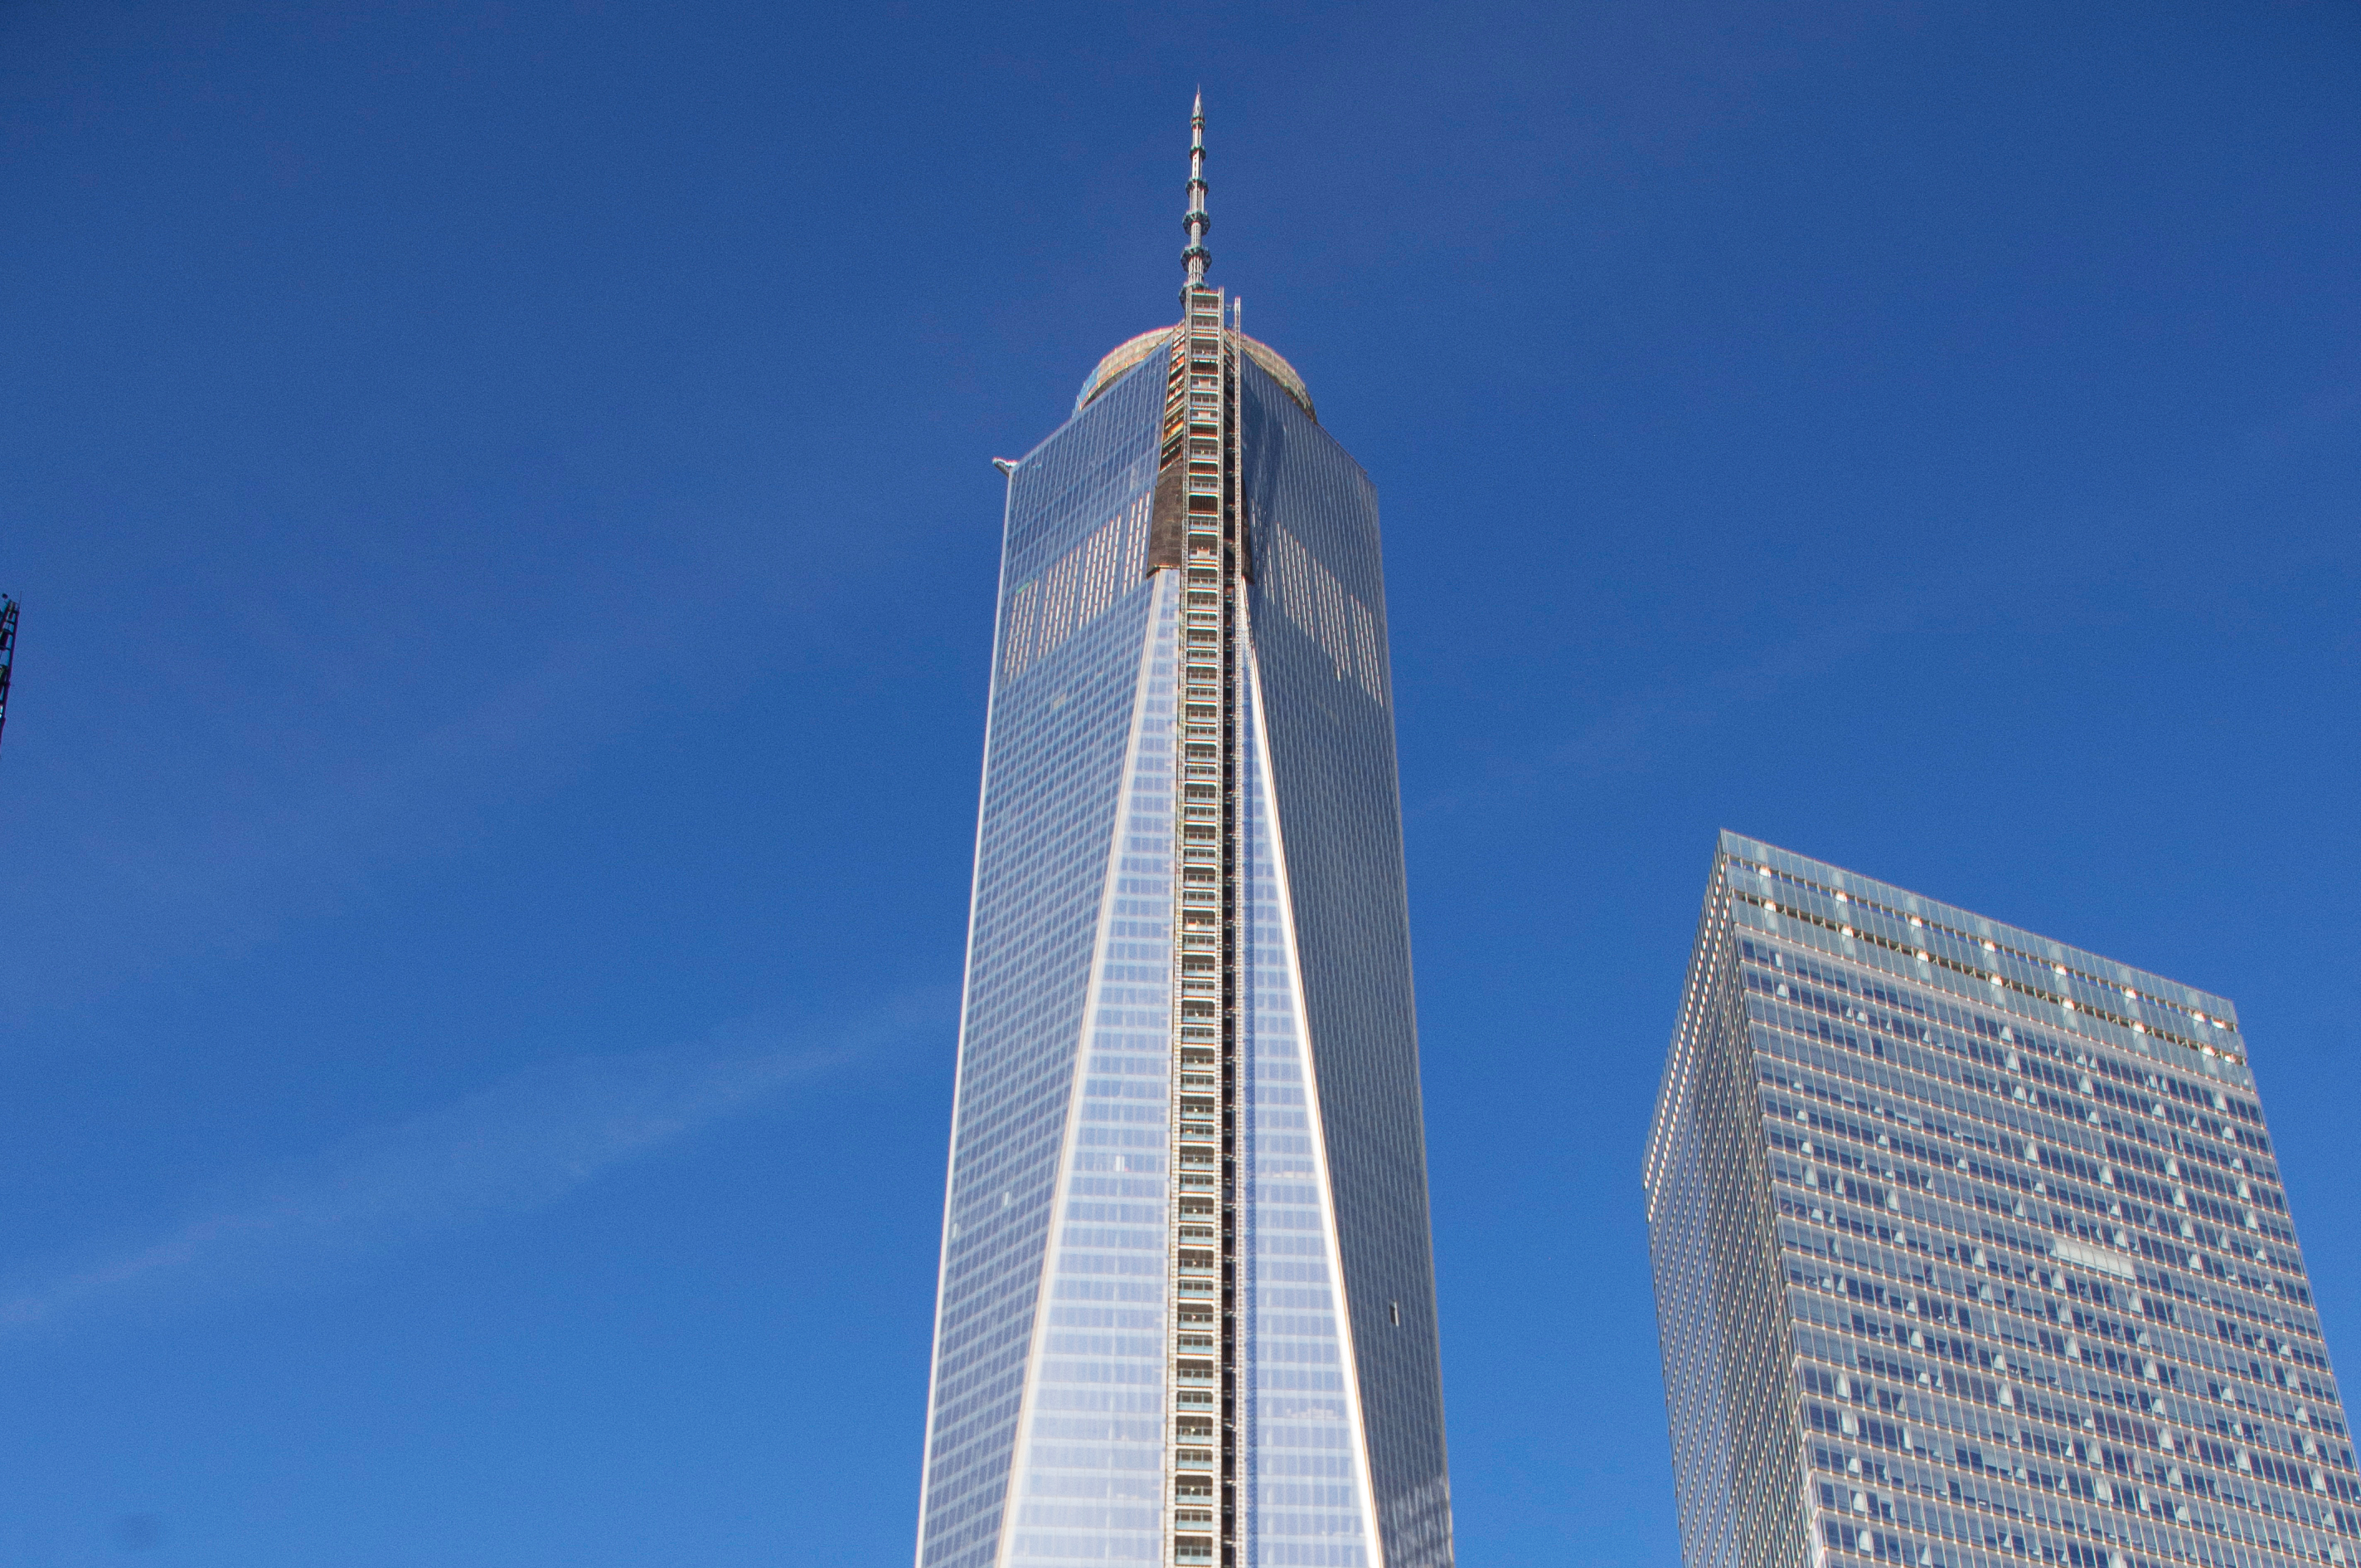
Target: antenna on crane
[(7, 650)]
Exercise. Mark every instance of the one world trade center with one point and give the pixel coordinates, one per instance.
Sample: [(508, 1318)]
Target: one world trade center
[(1187, 1303)]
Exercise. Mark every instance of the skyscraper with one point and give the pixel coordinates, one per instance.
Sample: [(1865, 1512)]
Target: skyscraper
[(1187, 1303), (1971, 1250)]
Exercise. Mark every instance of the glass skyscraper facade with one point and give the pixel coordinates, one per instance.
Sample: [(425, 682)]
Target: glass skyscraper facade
[(1186, 1314), (1971, 1250)]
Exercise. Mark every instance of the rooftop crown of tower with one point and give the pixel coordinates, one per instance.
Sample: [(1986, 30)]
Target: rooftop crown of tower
[(1196, 259)]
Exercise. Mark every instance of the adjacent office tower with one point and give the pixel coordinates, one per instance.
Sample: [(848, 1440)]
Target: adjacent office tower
[(1971, 1250), (1187, 1302)]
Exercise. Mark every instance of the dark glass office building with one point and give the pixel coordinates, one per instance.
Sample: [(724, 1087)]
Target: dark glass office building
[(1187, 1305), (1970, 1251)]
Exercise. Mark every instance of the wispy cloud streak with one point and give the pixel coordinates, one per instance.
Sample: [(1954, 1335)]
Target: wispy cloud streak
[(520, 1145)]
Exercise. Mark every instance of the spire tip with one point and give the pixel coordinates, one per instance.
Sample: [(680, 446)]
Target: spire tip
[(1196, 221)]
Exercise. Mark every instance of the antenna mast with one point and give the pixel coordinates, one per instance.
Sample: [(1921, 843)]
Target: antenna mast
[(1196, 220)]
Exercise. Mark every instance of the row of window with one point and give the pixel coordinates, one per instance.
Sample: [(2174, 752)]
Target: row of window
[(2026, 1481), (1772, 875), (2026, 1125), (2025, 1041), (1812, 1119), (2150, 1368)]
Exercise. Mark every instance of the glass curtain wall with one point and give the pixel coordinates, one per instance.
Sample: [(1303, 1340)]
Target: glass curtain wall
[(1066, 732), (2034, 1291)]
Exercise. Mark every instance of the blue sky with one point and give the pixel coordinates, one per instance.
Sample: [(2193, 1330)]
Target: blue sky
[(501, 499)]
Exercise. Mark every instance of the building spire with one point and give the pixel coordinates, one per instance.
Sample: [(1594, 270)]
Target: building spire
[(1196, 220)]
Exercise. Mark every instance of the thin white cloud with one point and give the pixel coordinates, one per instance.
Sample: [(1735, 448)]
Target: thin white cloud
[(520, 1145), (1631, 736)]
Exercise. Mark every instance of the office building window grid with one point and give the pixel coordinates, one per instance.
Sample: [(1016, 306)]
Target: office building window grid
[(2041, 1297)]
